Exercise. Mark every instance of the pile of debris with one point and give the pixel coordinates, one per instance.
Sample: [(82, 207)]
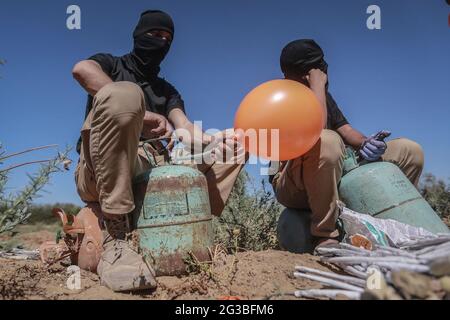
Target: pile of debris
[(420, 269), (20, 254), (382, 259)]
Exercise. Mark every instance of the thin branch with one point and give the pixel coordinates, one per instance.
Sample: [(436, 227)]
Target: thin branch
[(28, 150), (23, 164)]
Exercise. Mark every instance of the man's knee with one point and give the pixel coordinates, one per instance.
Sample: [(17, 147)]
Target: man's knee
[(120, 97), (332, 148), (412, 151)]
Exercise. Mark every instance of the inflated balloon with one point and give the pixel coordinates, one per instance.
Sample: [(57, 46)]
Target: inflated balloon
[(286, 105)]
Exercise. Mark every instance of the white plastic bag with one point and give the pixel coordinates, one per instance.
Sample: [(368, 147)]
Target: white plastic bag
[(384, 232)]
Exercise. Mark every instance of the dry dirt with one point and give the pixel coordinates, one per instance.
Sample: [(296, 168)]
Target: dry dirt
[(247, 275)]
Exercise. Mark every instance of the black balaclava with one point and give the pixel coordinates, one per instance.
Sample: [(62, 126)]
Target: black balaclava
[(149, 51), (299, 57)]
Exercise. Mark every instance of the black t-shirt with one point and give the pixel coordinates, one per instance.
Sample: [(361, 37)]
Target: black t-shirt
[(160, 96), (335, 117)]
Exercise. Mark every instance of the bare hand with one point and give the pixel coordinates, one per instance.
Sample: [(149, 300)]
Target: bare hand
[(155, 126), (317, 78)]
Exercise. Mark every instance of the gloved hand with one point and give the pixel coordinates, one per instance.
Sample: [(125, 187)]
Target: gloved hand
[(374, 146)]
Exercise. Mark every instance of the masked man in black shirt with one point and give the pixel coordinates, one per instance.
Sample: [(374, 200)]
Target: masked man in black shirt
[(128, 102), (311, 181)]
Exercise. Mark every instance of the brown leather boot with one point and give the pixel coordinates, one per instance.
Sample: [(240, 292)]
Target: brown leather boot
[(121, 268)]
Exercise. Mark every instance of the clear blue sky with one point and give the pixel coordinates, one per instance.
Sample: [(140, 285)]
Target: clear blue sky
[(396, 78)]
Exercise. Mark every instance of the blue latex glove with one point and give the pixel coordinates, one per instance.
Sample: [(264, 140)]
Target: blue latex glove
[(372, 149)]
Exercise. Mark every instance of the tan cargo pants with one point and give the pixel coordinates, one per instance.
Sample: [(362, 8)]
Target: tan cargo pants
[(110, 153), (311, 181)]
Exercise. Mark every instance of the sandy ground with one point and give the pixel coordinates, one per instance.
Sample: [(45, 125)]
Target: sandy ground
[(247, 275)]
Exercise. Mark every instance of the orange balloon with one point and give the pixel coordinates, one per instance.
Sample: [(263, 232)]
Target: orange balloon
[(286, 105)]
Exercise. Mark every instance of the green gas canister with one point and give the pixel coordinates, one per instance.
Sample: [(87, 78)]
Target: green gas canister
[(173, 217), (383, 191)]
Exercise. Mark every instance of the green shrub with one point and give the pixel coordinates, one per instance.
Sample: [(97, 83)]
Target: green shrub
[(250, 217), (15, 207), (437, 193)]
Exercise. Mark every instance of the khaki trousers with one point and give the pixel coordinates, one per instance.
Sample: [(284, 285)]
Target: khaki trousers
[(311, 181), (110, 156)]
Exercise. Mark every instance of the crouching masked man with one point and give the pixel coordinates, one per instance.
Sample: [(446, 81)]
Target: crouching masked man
[(128, 103), (311, 181)]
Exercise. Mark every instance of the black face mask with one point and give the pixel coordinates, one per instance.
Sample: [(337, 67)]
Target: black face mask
[(149, 52)]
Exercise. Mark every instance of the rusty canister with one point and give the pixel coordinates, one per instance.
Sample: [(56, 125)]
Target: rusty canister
[(173, 217)]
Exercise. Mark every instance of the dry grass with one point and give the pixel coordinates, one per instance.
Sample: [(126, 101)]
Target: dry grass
[(195, 266)]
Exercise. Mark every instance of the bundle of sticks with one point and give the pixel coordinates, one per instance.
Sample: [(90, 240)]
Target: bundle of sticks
[(429, 256)]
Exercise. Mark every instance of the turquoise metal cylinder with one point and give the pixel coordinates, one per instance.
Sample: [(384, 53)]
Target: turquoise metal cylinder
[(293, 231), (173, 217), (383, 191)]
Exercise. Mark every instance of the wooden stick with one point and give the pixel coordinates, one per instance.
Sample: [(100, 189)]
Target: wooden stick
[(444, 247), (327, 293), (424, 250), (438, 254), (393, 266), (421, 243), (390, 255), (340, 252), (353, 248), (355, 272), (431, 248), (371, 260), (329, 282), (348, 279), (394, 251)]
